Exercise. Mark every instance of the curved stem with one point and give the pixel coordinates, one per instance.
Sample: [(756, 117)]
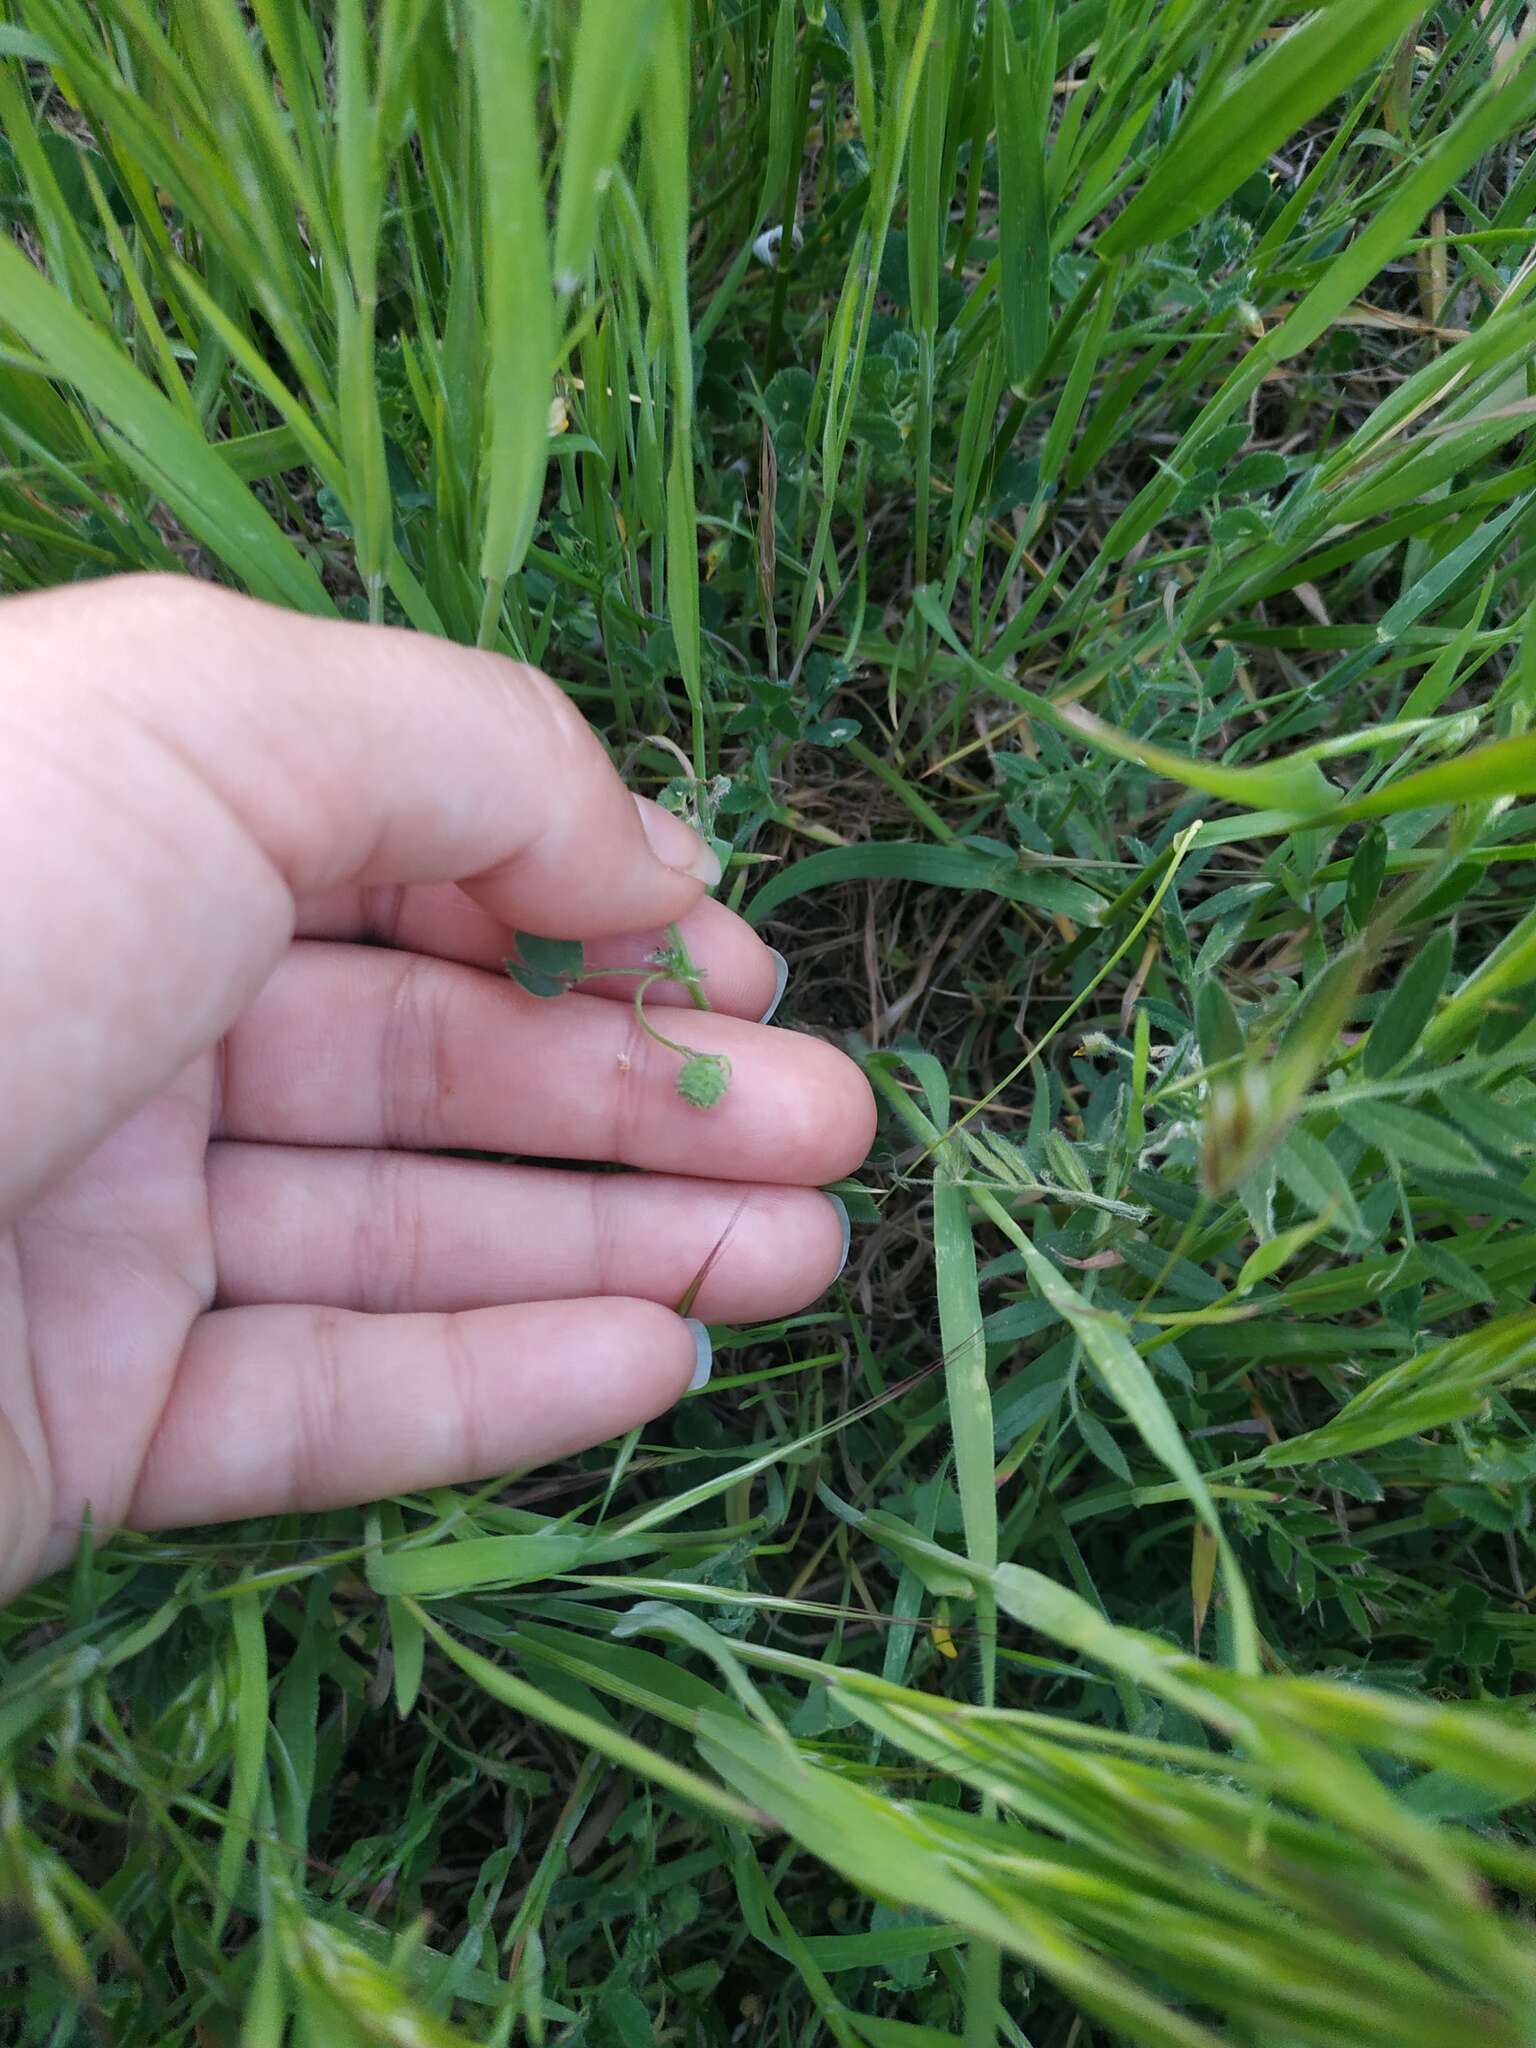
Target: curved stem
[(684, 1051)]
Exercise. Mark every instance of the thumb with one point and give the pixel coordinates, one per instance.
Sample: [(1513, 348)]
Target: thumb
[(181, 763)]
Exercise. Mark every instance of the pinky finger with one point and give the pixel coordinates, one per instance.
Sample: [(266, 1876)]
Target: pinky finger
[(278, 1409)]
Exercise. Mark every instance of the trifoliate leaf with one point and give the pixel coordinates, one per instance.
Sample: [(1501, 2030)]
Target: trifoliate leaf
[(543, 966), (533, 981), (703, 1078), (548, 956), (833, 732)]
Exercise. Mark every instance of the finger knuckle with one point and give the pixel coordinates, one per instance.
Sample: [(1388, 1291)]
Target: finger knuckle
[(629, 1089), (320, 1411), (389, 1250), (465, 1399), (417, 1067)]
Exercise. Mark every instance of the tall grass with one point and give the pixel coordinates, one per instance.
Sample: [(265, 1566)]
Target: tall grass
[(1084, 583)]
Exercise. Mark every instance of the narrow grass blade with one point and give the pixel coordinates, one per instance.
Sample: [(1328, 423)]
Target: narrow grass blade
[(1127, 1378), (248, 1625), (1438, 1387), (620, 1749), (939, 867)]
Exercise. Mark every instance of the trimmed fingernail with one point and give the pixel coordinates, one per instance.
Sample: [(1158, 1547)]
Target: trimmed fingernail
[(677, 845), (780, 983), (703, 1355), (847, 1222)]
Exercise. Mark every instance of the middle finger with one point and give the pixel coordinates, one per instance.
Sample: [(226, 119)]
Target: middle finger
[(396, 1233), (349, 1045)]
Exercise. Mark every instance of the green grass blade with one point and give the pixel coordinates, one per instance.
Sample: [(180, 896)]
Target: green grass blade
[(613, 47), (1141, 1400), (1258, 107), (173, 460), (248, 1626), (1439, 1386), (1021, 98), (938, 866), (666, 128), (1511, 965), (601, 1736), (519, 302)]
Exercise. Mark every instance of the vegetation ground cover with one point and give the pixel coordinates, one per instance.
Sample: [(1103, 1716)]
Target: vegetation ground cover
[(1048, 487)]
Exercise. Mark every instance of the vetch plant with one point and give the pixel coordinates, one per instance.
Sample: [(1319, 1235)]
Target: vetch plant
[(549, 967)]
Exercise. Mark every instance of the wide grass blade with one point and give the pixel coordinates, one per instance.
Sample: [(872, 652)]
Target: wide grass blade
[(1021, 99), (519, 300), (613, 46), (1234, 131), (171, 459)]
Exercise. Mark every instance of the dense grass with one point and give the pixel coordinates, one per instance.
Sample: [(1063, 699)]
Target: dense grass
[(1086, 589)]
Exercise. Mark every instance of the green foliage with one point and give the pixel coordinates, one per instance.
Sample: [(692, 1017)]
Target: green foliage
[(549, 967), (1085, 585), (545, 967)]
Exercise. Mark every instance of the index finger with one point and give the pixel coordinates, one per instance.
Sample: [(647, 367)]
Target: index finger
[(180, 763)]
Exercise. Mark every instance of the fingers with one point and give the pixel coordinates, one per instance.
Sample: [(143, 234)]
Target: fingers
[(349, 1045), (742, 976), (307, 1408), (179, 763), (391, 1231)]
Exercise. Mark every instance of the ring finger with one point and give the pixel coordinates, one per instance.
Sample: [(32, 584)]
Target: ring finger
[(395, 1232)]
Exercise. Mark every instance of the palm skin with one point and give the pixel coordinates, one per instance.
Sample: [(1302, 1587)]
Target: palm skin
[(100, 1284)]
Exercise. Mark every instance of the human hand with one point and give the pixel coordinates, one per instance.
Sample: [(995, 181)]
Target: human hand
[(232, 1279)]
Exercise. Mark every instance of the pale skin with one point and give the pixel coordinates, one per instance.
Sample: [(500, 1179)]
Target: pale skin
[(234, 1278)]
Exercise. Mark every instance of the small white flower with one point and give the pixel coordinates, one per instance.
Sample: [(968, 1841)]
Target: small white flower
[(766, 247)]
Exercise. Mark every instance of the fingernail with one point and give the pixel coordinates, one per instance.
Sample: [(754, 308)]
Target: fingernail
[(703, 1355), (847, 1222), (780, 983), (677, 845)]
